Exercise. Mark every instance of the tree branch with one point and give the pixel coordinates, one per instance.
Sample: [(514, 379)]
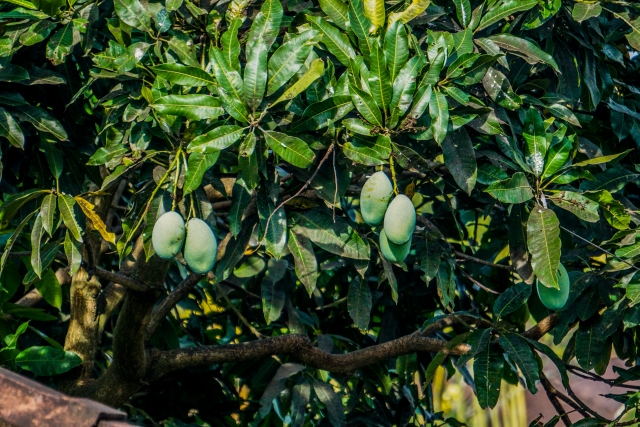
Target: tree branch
[(161, 311), (553, 398), (128, 282), (300, 347)]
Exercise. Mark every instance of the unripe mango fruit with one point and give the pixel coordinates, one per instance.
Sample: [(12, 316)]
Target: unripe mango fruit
[(168, 235), (552, 298), (400, 220), (201, 246), (391, 251), (374, 198)]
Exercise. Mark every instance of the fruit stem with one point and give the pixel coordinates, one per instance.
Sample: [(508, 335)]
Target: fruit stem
[(176, 162), (393, 176)]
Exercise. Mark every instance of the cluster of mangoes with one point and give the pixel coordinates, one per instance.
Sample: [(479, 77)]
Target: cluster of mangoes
[(377, 204), (200, 244)]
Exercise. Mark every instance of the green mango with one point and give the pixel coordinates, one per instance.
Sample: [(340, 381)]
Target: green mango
[(400, 220), (552, 298), (391, 251), (168, 235), (374, 198), (201, 247)]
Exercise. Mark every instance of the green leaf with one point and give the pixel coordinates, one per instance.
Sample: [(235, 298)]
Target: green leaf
[(372, 151), (366, 106), (416, 8), (557, 156), (463, 11), (306, 265), (435, 67), (231, 45), (513, 190), (276, 385), (47, 361), (265, 27), (602, 159), (36, 237), (60, 44), (505, 9), (289, 58), (331, 401), (536, 141), (193, 107), (460, 159), (429, 258), (583, 11), (336, 42), (42, 121), (234, 106), (475, 72), (439, 112), (133, 13), (577, 204), (10, 129), (612, 180), (520, 353), (614, 211), (396, 48), (488, 366), (404, 87), (315, 71), (589, 346), (54, 158), (234, 253), (216, 140), (72, 251), (374, 11), (338, 11), (183, 75), (499, 89), (629, 251), (197, 165), (359, 303), (65, 205), (517, 243), (525, 49), (274, 234), (255, 76), (378, 79), (273, 293), (361, 26), (12, 240), (47, 212), (241, 198), (293, 150), (316, 116), (14, 203), (543, 240), (50, 289), (511, 299), (336, 237)]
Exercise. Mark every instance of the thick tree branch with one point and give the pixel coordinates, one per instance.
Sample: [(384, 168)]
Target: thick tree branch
[(300, 347), (161, 311)]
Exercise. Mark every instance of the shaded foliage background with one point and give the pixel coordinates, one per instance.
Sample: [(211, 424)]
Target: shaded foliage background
[(513, 125)]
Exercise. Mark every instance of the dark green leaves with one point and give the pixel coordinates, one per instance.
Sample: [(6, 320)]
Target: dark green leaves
[(487, 374), (511, 299), (359, 303), (288, 59), (216, 140), (534, 135), (520, 353), (306, 266), (133, 13), (460, 159), (193, 107), (183, 75), (335, 41)]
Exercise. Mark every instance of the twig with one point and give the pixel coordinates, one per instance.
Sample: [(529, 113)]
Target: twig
[(253, 330), (237, 288), (465, 274), (601, 248), (170, 301), (481, 261), (553, 398), (306, 184), (576, 370)]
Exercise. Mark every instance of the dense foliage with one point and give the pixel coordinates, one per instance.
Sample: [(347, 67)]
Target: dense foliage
[(513, 125)]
